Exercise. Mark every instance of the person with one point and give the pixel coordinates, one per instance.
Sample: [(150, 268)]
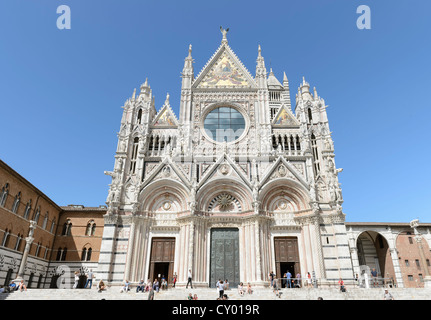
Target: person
[(140, 286), (225, 297), (156, 285), (174, 280), (195, 297), (217, 287), (319, 298), (164, 284), (220, 288), (298, 280), (22, 286), (75, 285), (374, 275), (341, 284), (190, 296), (125, 287), (101, 286), (151, 294), (241, 289), (90, 277), (13, 286), (148, 286), (271, 277), (275, 288), (249, 290), (289, 279), (226, 285), (387, 295), (189, 279), (308, 280)]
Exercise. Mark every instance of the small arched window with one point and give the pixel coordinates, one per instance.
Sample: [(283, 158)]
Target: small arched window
[(139, 116), (52, 226), (36, 215), (134, 155), (310, 115), (45, 221), (84, 254), (59, 250), (37, 249), (6, 238), (16, 202), (3, 195), (27, 210), (91, 228), (18, 242), (67, 228), (63, 254)]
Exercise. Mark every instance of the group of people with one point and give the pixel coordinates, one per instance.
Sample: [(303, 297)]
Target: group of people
[(14, 287), (143, 286), (242, 290), (289, 282)]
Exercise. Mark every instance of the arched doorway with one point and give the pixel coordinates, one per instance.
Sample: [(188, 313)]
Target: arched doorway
[(374, 254)]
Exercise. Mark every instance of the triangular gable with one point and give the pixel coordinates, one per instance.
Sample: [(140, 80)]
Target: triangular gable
[(165, 118), (284, 118), (292, 172), (167, 170), (224, 70), (220, 165)]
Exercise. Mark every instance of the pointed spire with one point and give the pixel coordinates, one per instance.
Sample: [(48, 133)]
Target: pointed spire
[(134, 94), (305, 89), (259, 50), (316, 97), (285, 77)]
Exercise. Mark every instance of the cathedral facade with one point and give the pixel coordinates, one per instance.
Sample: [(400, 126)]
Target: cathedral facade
[(241, 183)]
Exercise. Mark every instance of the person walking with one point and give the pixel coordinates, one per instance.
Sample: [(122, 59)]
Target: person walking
[(308, 280), (75, 285), (174, 280), (289, 279), (221, 287), (298, 280), (189, 279), (90, 277), (341, 284), (151, 294), (271, 277), (374, 276)]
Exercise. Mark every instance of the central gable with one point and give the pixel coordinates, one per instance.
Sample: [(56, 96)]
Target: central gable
[(224, 70)]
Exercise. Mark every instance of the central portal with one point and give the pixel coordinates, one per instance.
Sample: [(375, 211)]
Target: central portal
[(224, 262)]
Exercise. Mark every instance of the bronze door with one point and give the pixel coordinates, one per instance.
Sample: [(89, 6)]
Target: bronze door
[(224, 262), (162, 259)]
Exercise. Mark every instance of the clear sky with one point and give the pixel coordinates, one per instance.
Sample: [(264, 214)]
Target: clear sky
[(61, 91)]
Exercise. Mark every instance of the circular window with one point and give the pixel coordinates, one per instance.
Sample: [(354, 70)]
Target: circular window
[(224, 124)]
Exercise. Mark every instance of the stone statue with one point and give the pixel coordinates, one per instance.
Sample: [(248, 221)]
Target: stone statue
[(224, 32)]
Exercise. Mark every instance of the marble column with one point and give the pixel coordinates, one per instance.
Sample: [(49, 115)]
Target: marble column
[(29, 241)]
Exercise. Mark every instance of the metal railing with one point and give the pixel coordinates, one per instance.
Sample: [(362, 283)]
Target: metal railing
[(286, 283)]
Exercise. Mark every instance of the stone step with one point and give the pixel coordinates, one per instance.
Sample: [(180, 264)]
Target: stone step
[(114, 293)]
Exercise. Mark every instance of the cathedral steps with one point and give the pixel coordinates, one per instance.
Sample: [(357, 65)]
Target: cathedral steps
[(211, 294)]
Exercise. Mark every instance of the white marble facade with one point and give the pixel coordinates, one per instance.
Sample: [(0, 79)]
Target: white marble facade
[(275, 176)]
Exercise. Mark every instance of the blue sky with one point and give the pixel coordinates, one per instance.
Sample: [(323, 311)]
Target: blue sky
[(61, 91)]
